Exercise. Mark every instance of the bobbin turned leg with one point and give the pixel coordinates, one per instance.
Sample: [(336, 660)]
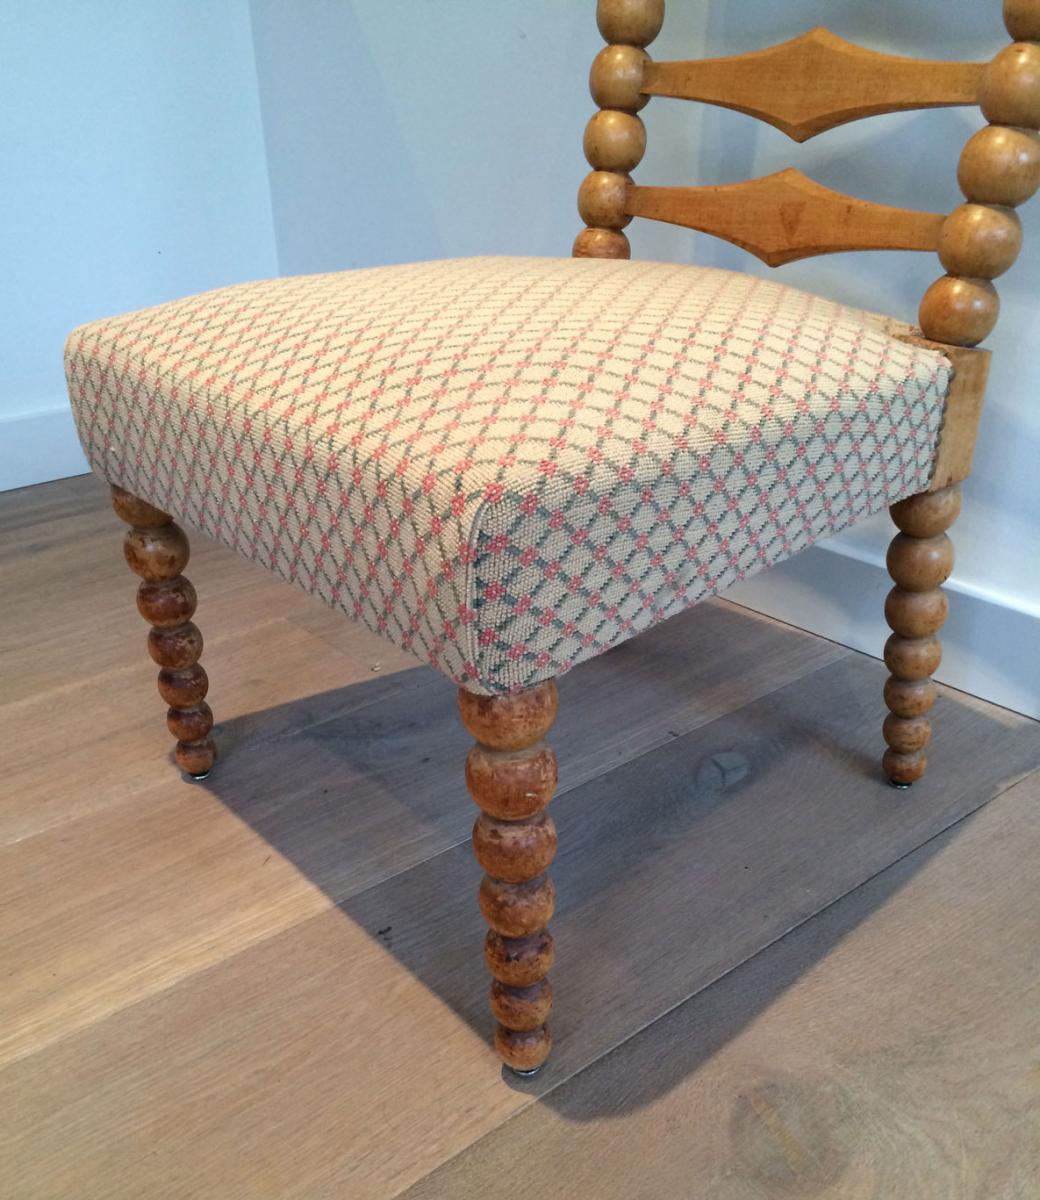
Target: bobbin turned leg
[(920, 558), (511, 774), (157, 550)]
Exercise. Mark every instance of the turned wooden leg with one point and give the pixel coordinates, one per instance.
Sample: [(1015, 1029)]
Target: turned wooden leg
[(157, 550), (920, 559), (511, 774)]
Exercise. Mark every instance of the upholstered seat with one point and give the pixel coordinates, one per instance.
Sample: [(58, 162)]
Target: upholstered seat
[(508, 465)]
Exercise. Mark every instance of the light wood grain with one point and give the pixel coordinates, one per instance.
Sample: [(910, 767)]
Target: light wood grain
[(630, 22), (887, 1048), (347, 1054), (815, 82), (920, 559), (965, 397), (1022, 19), (786, 216), (156, 549), (270, 679), (511, 774), (959, 311), (960, 426)]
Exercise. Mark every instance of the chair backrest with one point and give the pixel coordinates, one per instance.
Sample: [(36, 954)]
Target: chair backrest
[(804, 86)]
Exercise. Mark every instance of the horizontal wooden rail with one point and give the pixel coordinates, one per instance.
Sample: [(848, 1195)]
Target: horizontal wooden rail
[(815, 82), (787, 216)]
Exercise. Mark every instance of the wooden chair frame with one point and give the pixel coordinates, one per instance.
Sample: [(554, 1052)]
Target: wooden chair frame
[(805, 86)]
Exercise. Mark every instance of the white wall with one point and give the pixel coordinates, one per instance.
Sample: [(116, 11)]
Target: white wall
[(404, 129), (134, 172), (399, 130)]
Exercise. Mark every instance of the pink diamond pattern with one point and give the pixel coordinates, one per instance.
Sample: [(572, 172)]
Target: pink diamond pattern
[(509, 465)]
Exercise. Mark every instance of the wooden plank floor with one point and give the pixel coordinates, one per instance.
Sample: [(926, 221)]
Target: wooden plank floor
[(270, 984), (886, 1048)]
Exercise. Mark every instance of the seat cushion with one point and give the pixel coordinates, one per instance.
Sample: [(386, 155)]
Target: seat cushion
[(508, 465)]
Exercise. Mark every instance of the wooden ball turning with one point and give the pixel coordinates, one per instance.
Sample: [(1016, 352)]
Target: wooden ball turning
[(517, 909), (904, 768), (135, 511), (1010, 91), (195, 758), (960, 312), (601, 243), (916, 614), (907, 735), (1022, 19), (184, 689), (616, 77), (601, 199), (190, 724), (909, 697), (920, 558), (521, 961), (521, 1008), (511, 774), (156, 554), (511, 784), (514, 850), (928, 513), (912, 658), (511, 722), (614, 141), (920, 564), (176, 648), (523, 1050), (999, 165), (157, 550), (980, 240), (632, 22), (168, 603)]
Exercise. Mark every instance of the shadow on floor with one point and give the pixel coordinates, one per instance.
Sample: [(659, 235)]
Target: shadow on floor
[(674, 866)]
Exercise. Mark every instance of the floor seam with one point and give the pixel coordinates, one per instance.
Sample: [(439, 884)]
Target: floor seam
[(533, 1100), (350, 897)]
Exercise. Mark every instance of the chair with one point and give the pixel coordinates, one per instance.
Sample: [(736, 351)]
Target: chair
[(507, 466)]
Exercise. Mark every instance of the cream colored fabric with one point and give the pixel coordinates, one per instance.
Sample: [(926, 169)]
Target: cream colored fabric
[(508, 465)]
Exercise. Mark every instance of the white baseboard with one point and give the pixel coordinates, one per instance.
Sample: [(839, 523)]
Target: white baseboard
[(36, 447), (991, 648)]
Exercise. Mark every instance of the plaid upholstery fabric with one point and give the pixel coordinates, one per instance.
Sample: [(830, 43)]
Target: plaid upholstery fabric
[(508, 465)]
